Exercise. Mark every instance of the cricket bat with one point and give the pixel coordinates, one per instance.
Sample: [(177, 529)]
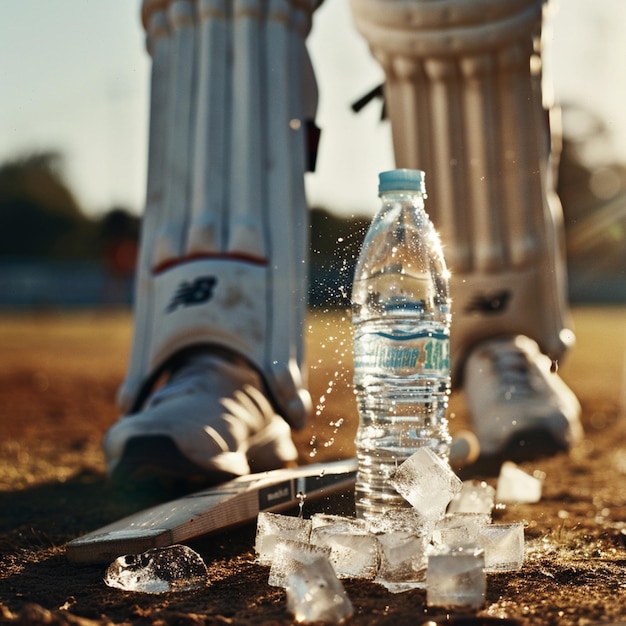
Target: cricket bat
[(235, 502)]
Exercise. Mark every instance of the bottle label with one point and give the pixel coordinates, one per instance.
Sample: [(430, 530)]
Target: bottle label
[(402, 354)]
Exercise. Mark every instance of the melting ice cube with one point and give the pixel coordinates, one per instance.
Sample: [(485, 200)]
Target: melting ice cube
[(402, 557), (516, 486), (476, 496), (427, 483), (326, 519), (314, 594), (271, 527), (406, 519), (455, 577), (503, 545), (175, 568), (289, 556), (353, 550), (457, 529)]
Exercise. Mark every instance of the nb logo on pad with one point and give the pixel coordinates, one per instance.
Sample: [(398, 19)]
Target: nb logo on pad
[(489, 304), (194, 292)]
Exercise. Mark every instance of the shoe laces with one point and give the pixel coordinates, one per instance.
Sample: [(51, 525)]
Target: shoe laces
[(184, 382), (245, 403), (186, 379)]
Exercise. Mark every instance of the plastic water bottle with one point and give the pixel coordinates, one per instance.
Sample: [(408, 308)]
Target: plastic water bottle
[(401, 317)]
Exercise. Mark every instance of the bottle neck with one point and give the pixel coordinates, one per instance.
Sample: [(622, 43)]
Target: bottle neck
[(403, 196)]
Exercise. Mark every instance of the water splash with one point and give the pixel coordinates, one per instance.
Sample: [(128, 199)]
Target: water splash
[(333, 345), (301, 498)]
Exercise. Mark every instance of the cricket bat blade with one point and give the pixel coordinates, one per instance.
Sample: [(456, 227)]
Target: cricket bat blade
[(235, 502)]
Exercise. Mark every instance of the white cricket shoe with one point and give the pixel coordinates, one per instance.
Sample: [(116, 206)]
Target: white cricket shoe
[(211, 421), (519, 408)]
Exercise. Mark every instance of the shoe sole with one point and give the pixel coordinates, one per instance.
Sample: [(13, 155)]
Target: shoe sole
[(531, 444), (524, 446), (157, 459)]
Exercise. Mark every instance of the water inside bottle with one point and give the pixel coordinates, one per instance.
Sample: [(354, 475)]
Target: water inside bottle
[(402, 386)]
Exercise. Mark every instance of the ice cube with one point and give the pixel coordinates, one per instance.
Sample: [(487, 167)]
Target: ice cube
[(326, 519), (175, 568), (406, 518), (455, 577), (402, 557), (353, 550), (314, 594), (271, 527), (516, 486), (476, 496), (288, 556), (456, 529), (503, 545), (427, 482)]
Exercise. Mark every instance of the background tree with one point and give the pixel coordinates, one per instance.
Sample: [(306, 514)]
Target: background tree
[(39, 215)]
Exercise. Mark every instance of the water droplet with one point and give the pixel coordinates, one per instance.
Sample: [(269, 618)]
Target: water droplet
[(301, 499)]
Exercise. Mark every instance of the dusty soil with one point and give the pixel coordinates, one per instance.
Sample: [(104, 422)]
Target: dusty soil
[(58, 378)]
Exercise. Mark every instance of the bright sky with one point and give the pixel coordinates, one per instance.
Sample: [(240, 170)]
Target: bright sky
[(74, 77)]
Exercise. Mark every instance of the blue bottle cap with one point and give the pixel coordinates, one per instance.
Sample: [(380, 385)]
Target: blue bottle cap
[(401, 180)]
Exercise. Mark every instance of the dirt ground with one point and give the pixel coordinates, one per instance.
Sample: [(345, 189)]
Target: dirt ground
[(58, 379)]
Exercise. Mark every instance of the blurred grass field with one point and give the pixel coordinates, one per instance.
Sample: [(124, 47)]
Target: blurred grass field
[(59, 374)]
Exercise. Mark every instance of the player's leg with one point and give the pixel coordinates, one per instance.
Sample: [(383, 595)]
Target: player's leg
[(221, 287), (463, 91)]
